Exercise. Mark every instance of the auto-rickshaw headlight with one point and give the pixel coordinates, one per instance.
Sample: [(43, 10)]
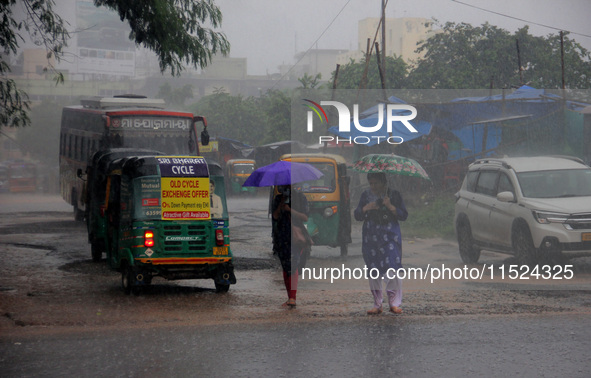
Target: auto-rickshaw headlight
[(329, 211)]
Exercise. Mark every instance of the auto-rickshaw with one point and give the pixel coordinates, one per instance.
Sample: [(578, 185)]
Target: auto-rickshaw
[(162, 220), (329, 220), (95, 187), (237, 171)]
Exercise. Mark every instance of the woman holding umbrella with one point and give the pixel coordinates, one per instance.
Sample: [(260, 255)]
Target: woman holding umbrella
[(381, 208), (289, 208)]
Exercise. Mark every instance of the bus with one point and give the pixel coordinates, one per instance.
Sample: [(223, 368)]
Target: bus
[(126, 121)]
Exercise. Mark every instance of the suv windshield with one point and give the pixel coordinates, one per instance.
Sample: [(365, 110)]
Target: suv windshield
[(556, 183)]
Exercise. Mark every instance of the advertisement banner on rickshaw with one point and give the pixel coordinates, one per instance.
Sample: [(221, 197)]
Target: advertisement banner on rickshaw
[(184, 188)]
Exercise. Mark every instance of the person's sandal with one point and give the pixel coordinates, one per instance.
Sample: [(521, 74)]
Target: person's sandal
[(374, 311), (395, 310), (291, 302)]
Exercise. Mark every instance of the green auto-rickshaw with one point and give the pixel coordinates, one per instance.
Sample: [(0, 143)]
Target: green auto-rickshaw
[(164, 220), (95, 186), (329, 220), (237, 171)]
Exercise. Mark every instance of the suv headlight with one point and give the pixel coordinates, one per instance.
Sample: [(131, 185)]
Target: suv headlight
[(545, 217)]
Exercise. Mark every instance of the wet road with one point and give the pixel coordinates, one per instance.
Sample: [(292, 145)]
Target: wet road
[(62, 314), (544, 346)]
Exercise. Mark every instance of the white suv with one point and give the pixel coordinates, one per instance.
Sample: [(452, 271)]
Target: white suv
[(537, 208)]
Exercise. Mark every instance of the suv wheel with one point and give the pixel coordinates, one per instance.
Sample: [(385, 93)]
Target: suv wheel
[(468, 252), (523, 245)]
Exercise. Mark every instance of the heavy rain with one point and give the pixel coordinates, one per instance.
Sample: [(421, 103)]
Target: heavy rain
[(147, 229)]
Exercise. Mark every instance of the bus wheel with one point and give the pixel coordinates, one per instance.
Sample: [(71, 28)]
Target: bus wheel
[(221, 288), (344, 250)]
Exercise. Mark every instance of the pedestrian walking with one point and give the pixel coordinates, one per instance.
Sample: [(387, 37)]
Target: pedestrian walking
[(290, 211), (381, 208)]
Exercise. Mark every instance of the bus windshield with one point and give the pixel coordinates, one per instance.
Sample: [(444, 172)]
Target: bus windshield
[(171, 144)]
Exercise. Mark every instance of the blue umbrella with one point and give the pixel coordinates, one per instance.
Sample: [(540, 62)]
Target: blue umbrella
[(282, 173)]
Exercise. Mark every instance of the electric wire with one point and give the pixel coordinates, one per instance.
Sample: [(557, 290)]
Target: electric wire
[(521, 19), (312, 45)]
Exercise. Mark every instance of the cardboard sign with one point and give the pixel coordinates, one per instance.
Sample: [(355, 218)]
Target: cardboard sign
[(184, 188), (150, 201)]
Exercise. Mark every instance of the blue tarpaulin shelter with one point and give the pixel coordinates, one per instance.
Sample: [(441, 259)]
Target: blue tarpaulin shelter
[(509, 121)]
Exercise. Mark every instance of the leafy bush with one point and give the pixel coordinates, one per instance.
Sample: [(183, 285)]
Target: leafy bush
[(430, 218)]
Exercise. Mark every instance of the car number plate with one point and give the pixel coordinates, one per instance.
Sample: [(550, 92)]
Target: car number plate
[(220, 251), (586, 236)]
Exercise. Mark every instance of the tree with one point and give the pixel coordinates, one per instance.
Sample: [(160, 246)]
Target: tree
[(231, 116), (351, 74), (276, 105), (309, 81), (46, 28), (463, 56), (176, 96), (173, 29)]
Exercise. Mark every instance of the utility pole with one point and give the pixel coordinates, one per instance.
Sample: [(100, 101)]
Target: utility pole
[(562, 58), (383, 32), (519, 63)]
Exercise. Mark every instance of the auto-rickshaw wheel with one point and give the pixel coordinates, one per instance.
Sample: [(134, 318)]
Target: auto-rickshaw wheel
[(126, 279), (344, 250), (221, 288), (96, 251)]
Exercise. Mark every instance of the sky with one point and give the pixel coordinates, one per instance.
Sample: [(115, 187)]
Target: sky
[(269, 32)]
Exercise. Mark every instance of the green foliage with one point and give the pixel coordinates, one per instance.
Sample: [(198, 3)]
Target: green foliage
[(252, 120), (230, 116), (46, 28), (276, 106), (464, 56), (310, 82), (176, 96), (173, 29), (433, 218), (15, 104), (352, 73)]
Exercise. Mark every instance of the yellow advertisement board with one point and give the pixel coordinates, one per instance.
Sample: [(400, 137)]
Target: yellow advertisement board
[(184, 188)]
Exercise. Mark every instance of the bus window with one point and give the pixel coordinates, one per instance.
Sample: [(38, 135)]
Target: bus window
[(70, 152), (83, 148)]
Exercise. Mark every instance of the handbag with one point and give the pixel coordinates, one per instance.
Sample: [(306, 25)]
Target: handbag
[(300, 236)]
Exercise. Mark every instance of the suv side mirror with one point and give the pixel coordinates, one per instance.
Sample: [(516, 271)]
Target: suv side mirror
[(506, 197)]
